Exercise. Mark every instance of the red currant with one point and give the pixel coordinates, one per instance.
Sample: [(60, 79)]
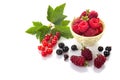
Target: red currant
[(44, 53), (49, 50), (54, 41), (44, 42), (50, 45), (58, 34), (55, 38), (42, 48), (47, 37)]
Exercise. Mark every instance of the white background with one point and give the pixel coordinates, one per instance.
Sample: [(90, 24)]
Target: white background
[(19, 57)]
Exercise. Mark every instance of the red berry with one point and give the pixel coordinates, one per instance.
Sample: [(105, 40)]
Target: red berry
[(78, 60), (91, 32), (83, 14), (49, 50), (99, 61), (50, 45), (54, 42), (55, 37), (75, 29), (83, 26), (47, 37), (93, 14), (42, 48), (100, 28), (44, 42), (87, 54), (44, 53), (94, 23), (58, 34), (76, 21)]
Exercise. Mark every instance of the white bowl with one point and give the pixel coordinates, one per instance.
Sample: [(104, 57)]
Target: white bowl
[(87, 41)]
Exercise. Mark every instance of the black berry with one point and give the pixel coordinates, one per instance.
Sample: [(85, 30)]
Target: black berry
[(66, 56), (74, 47), (106, 53), (108, 48), (59, 52), (61, 45), (65, 49), (100, 48)]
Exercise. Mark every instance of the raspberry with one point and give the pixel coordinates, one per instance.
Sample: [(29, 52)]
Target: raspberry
[(75, 29), (76, 21), (93, 14), (100, 28), (87, 54), (83, 14), (99, 61), (78, 60), (91, 32), (83, 26), (94, 23)]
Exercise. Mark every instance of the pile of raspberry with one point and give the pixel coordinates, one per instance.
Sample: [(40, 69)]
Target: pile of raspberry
[(87, 24)]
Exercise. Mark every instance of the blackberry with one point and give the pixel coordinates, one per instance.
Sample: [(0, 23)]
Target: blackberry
[(74, 47), (65, 49), (66, 56), (61, 45), (108, 48), (100, 48), (106, 53), (59, 52)]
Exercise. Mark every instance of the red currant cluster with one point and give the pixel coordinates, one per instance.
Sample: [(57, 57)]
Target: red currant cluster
[(48, 43)]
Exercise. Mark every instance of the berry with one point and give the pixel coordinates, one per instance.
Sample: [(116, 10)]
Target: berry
[(87, 54), (44, 42), (106, 53), (44, 53), (76, 21), (94, 23), (83, 26), (42, 48), (108, 48), (74, 47), (75, 29), (58, 34), (55, 38), (47, 37), (91, 32), (66, 56), (100, 48), (65, 49), (100, 28), (54, 42), (59, 52), (50, 45), (83, 14), (49, 50), (93, 14), (78, 60), (61, 45), (99, 61)]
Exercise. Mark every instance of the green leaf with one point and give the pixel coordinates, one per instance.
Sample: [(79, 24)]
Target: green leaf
[(31, 30), (56, 15), (37, 24), (42, 32), (64, 30), (65, 22), (49, 13)]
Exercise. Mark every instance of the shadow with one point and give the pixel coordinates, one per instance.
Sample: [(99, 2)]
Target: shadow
[(98, 70), (78, 69)]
